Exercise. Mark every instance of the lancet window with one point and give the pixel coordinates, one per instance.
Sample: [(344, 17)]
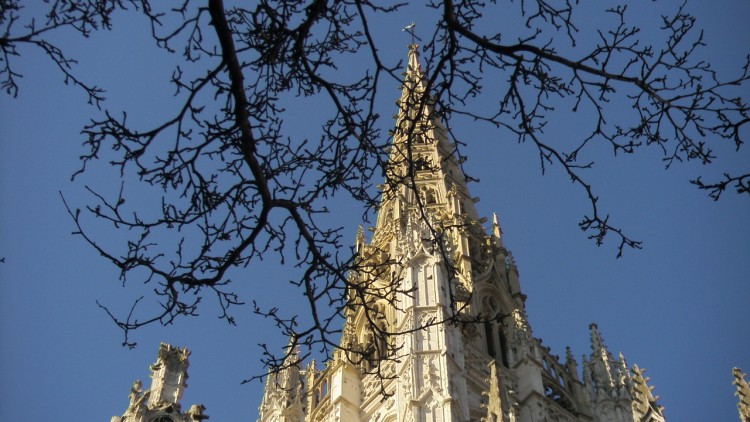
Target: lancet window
[(373, 339), (495, 338)]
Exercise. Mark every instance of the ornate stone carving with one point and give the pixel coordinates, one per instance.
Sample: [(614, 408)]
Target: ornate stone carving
[(196, 413), (492, 403), (431, 380), (429, 239), (162, 401)]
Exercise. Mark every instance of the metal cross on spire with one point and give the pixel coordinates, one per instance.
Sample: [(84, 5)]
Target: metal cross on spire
[(410, 29)]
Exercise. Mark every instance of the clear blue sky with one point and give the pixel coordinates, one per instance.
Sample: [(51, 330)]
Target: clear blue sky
[(678, 308)]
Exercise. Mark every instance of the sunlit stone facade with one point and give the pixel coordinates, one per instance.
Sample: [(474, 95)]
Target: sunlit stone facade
[(493, 369)]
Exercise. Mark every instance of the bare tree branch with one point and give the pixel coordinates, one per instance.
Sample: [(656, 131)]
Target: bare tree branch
[(236, 186)]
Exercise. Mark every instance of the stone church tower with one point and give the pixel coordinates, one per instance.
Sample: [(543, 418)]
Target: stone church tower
[(441, 333), (436, 328)]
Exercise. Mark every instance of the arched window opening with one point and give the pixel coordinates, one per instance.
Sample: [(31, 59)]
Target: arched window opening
[(503, 348), (367, 354), (488, 333), (497, 344), (381, 336)]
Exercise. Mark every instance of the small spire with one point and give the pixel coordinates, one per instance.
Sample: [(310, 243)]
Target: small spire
[(569, 354), (413, 87), (414, 65), (359, 242), (602, 362), (310, 369), (587, 378), (570, 363), (291, 350), (496, 230), (623, 364), (597, 344), (284, 385), (624, 376)]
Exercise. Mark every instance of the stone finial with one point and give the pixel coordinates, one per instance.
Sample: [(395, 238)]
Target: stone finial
[(742, 393), (310, 373), (492, 399), (135, 392), (414, 65), (360, 239), (413, 85), (168, 381), (624, 373), (291, 350), (196, 413), (587, 378), (597, 344), (496, 230), (521, 332), (604, 368), (284, 384), (622, 361), (570, 363)]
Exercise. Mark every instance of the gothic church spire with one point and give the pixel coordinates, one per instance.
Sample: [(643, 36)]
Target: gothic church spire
[(424, 181)]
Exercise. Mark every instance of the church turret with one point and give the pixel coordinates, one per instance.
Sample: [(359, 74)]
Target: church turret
[(616, 394), (162, 401), (435, 325), (605, 382), (610, 376), (284, 393), (169, 375)]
